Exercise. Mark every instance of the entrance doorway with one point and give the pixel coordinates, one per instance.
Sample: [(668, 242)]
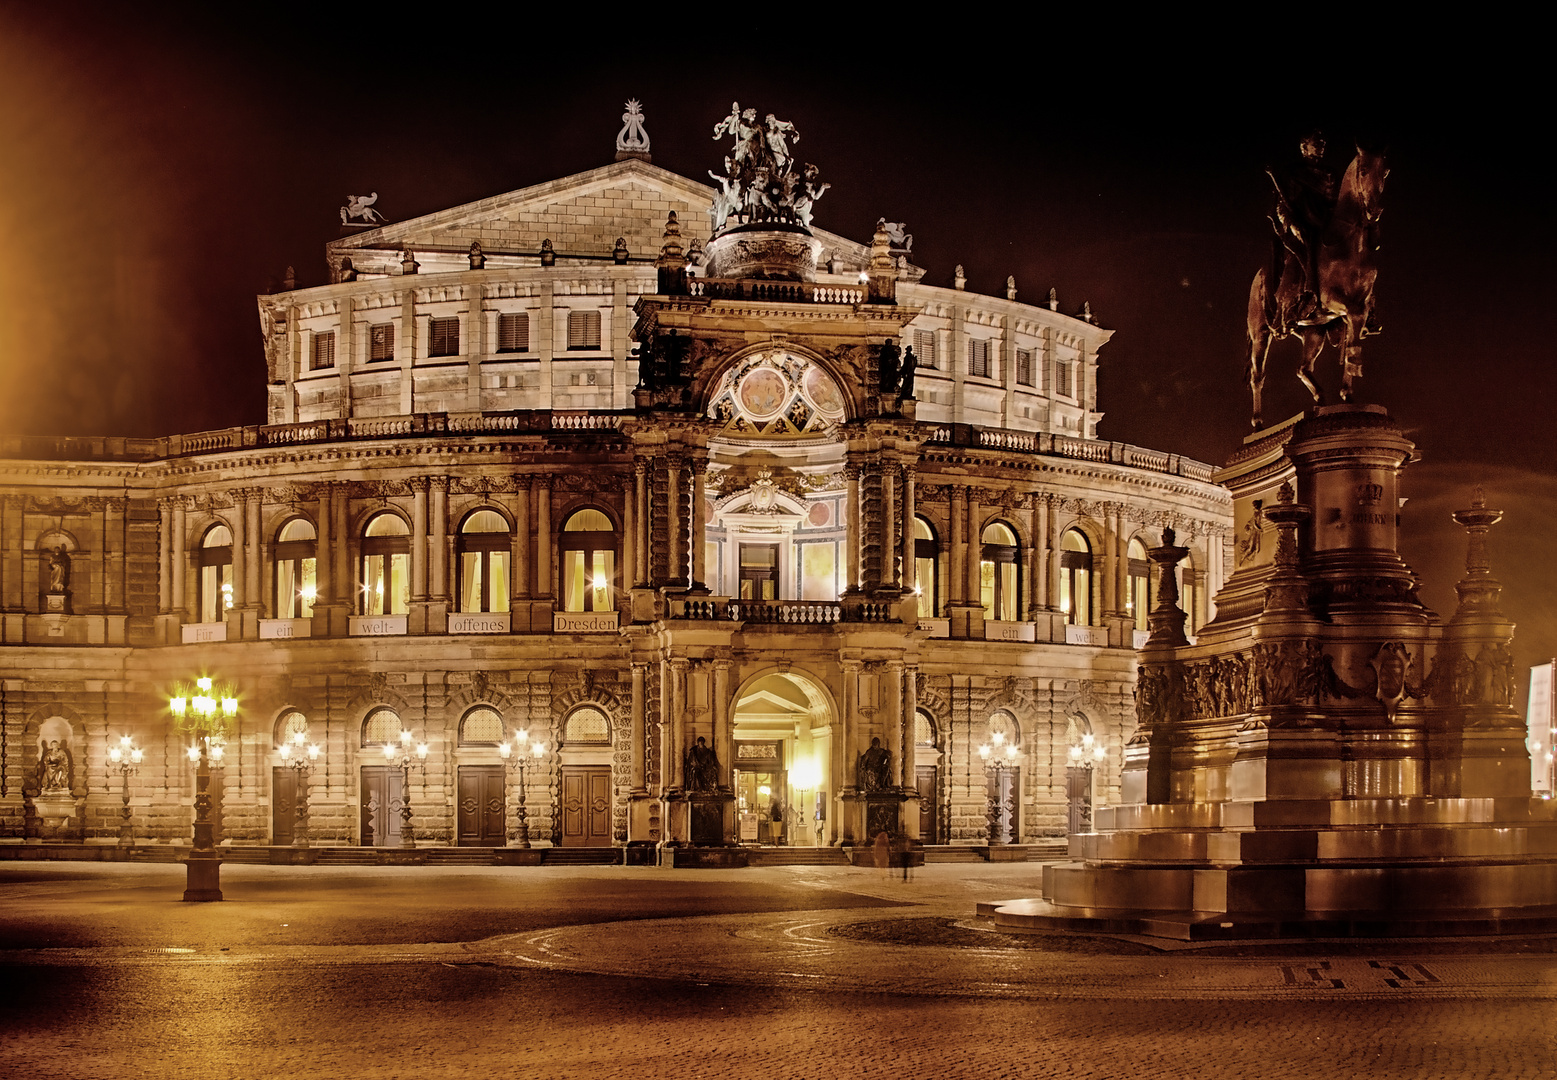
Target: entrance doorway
[(482, 809), (382, 791), (283, 805), (783, 742), (586, 805), (762, 811), (925, 779), (1004, 787)]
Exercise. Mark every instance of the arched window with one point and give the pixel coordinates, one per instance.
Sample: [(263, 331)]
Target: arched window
[(296, 570), (288, 726), (381, 726), (927, 561), (1191, 596), (924, 729), (484, 548), (386, 566), (1076, 578), (586, 724), (997, 573), (588, 550), (1138, 598), (215, 574), (481, 726)]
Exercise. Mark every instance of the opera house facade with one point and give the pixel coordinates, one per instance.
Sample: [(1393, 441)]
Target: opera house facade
[(755, 536)]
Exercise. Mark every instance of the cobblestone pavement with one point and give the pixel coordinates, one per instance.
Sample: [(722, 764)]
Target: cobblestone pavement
[(609, 972)]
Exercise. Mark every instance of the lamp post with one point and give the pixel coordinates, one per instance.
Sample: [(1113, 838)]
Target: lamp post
[(520, 754), (401, 757), (1078, 783), (301, 761), (125, 757), (205, 711), (999, 759)]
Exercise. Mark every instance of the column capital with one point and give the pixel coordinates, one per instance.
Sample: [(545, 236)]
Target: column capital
[(419, 484)]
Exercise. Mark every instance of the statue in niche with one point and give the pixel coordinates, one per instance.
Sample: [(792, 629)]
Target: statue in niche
[(910, 362), (702, 767), (54, 768), (359, 210), (872, 769), (59, 570), (888, 367)]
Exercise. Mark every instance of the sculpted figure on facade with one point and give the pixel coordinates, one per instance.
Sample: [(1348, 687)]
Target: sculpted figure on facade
[(872, 770), (359, 210), (54, 768), (59, 570), (702, 767), (761, 182), (633, 138)]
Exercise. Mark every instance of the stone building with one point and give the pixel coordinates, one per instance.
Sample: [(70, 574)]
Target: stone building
[(643, 469)]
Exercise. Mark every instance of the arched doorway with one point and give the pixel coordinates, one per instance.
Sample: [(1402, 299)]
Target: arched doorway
[(782, 764)]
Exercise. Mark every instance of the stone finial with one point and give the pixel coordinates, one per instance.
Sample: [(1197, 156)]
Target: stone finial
[(1011, 287), (1054, 300), (289, 279), (882, 276), (633, 140), (408, 263), (959, 278), (478, 261), (548, 253), (1086, 311), (1166, 620), (672, 263), (1478, 590), (347, 272), (1287, 589), (619, 252), (695, 253)]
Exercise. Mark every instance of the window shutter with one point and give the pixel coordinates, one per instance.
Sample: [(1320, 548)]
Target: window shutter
[(513, 332), (584, 330), (324, 350), (381, 344), (1024, 367), (443, 337), (1062, 387), (924, 348), (978, 358)]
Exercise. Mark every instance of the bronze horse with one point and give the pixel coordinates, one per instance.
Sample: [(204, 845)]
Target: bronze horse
[(1340, 310)]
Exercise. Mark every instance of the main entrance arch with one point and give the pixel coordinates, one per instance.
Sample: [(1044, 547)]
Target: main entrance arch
[(784, 730)]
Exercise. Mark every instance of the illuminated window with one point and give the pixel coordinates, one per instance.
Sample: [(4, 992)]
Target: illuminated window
[(1024, 367), (998, 573), (1138, 597), (927, 561), (296, 570), (1192, 596), (385, 587), (759, 572), (381, 726), (1076, 578), (924, 729), (215, 574), (588, 548), (324, 350), (978, 357), (584, 330), (381, 341), (289, 725), (513, 332), (924, 348), (485, 547), (818, 570), (586, 724), (443, 337), (481, 726)]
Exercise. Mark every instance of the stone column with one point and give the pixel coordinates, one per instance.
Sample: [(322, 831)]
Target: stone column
[(251, 562), (240, 595), (419, 485), (640, 745), (724, 730), (674, 526), (892, 700), (889, 528), (521, 575), (1038, 566), (1052, 541), (164, 556), (543, 585), (629, 566), (324, 569), (1110, 559), (678, 722), (910, 725), (975, 544), (345, 593), (438, 538), (852, 520), (958, 579), (699, 525), (179, 559), (643, 537), (910, 570)]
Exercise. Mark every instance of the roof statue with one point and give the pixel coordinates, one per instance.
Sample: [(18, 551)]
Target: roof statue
[(761, 182), (359, 210), (899, 236), (1319, 284), (633, 139)]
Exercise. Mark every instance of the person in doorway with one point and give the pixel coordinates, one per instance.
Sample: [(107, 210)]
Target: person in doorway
[(776, 821), (882, 852)]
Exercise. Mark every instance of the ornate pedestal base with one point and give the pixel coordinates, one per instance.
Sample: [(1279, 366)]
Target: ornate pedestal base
[(203, 878)]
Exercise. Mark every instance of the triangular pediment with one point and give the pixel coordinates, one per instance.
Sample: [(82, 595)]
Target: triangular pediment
[(582, 215)]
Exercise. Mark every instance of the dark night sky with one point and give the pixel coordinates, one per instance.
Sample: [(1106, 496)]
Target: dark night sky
[(157, 169)]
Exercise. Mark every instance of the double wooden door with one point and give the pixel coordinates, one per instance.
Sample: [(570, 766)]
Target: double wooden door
[(482, 810), (924, 777), (586, 805), (382, 791), (283, 805)]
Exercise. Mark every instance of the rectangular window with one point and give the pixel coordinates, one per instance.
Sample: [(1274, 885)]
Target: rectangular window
[(584, 330), (324, 350), (924, 348), (978, 358), (513, 332), (443, 337), (1024, 367), (1062, 386), (819, 571), (381, 341)]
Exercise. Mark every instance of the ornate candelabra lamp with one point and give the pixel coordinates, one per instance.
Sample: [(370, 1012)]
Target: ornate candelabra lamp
[(401, 757), (520, 755), (301, 761), (999, 759), (206, 711), (126, 758)]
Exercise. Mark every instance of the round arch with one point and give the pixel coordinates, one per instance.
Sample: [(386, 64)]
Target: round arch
[(826, 391), (784, 757)]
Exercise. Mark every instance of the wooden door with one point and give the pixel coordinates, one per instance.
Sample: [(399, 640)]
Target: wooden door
[(283, 805), (924, 776), (586, 805), (482, 810), (1006, 796), (381, 794)]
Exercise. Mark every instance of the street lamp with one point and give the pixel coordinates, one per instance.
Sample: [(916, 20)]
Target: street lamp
[(521, 753), (125, 757), (400, 757), (206, 711), (999, 759), (301, 761)]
